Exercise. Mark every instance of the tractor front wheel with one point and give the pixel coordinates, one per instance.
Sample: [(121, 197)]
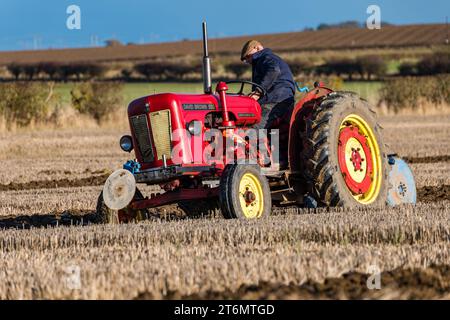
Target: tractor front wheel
[(244, 193)]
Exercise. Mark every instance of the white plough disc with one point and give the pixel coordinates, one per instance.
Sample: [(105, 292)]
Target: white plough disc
[(119, 189)]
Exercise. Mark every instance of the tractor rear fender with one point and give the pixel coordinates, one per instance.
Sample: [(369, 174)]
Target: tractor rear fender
[(314, 94)]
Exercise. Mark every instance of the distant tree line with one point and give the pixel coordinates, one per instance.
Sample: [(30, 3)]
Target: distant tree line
[(365, 67), (56, 71), (351, 24), (162, 70), (437, 63), (368, 67), (372, 66)]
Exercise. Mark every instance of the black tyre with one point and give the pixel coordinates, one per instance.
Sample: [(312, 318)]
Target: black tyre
[(109, 216), (343, 160), (244, 193)]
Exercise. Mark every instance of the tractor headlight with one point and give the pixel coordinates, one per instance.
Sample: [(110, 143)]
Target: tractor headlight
[(194, 127), (126, 143)]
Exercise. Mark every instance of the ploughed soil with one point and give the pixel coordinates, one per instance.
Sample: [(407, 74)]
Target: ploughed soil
[(95, 180), (433, 193), (66, 218), (85, 217), (428, 159), (424, 194), (98, 178), (430, 283)]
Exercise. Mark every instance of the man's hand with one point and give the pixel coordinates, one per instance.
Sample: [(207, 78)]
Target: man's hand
[(255, 95)]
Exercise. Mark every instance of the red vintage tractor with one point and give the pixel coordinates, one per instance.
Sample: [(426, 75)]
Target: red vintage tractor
[(336, 155)]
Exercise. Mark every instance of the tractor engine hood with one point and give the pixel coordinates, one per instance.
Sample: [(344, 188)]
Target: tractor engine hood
[(158, 123)]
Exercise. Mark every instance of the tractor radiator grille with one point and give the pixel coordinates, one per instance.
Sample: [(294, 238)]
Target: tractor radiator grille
[(142, 135), (162, 133)]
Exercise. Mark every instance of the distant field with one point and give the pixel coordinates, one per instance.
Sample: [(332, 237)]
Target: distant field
[(367, 90), (332, 39)]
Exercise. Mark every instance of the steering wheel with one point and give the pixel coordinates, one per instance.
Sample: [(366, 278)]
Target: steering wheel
[(261, 90)]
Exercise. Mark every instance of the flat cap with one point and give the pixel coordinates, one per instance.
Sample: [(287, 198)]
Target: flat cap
[(249, 46)]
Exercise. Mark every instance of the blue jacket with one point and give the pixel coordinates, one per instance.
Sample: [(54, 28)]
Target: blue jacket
[(274, 75)]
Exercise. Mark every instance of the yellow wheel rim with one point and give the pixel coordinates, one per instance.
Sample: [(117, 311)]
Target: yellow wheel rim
[(362, 156), (251, 196)]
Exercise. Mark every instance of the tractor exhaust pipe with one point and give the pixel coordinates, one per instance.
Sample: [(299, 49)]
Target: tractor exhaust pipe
[(207, 86)]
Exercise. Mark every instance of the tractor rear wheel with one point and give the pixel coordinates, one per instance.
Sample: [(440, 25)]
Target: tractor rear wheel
[(244, 193), (343, 157), (110, 216)]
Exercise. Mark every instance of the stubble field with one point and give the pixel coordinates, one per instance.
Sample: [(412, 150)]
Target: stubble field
[(50, 181)]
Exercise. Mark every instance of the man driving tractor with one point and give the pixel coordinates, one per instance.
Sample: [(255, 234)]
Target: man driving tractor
[(274, 75), (338, 155)]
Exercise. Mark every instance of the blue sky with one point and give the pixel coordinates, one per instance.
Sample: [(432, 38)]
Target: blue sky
[(29, 24)]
